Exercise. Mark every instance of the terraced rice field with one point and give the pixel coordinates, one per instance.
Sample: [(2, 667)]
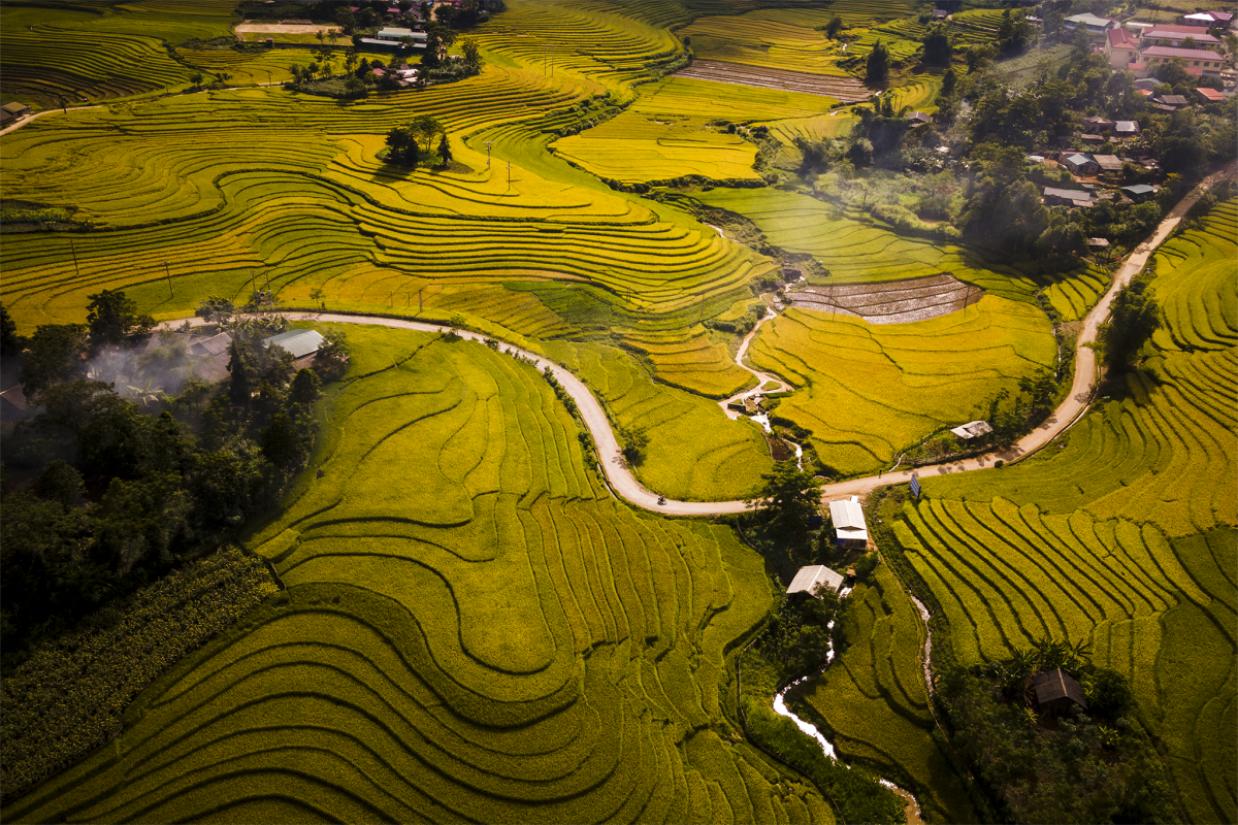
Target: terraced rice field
[(78, 51), (873, 700), (675, 129), (473, 629), (867, 391), (1124, 536), (892, 302), (695, 451), (853, 248)]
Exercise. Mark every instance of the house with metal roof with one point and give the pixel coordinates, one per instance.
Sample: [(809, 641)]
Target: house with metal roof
[(848, 518), (1081, 164), (972, 429), (299, 343), (1055, 196), (1139, 192), (814, 579)]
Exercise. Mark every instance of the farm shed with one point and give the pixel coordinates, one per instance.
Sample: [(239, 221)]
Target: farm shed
[(1176, 101), (299, 343), (972, 429), (848, 518), (1126, 128), (15, 110), (1081, 164), (1056, 691), (1098, 243), (1210, 95), (809, 579)]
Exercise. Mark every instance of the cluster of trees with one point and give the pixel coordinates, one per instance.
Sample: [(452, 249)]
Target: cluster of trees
[(1134, 317), (102, 495), (408, 145), (1004, 214), (1090, 766)]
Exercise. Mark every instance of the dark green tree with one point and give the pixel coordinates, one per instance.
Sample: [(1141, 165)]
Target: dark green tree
[(877, 68), (1133, 319), (789, 506), (305, 387), (949, 80), (444, 151), (937, 48), (112, 317), (282, 444), (54, 355), (833, 27), (402, 147), (10, 342), (216, 310)]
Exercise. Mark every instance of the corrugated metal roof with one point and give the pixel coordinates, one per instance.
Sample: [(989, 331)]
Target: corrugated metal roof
[(297, 342), (808, 579)]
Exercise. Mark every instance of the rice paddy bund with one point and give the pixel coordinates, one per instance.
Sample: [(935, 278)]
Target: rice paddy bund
[(473, 629)]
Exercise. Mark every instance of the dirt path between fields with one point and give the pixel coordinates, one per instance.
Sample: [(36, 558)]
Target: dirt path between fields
[(626, 486)]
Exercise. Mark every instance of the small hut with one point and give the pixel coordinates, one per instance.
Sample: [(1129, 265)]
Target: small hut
[(1056, 692)]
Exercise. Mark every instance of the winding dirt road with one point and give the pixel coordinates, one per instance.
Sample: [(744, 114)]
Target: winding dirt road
[(622, 481)]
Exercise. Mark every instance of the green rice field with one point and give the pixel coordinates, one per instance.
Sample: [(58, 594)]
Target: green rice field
[(1123, 535), (868, 391), (472, 628)]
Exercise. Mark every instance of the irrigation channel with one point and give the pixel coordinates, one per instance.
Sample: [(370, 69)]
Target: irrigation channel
[(625, 485)]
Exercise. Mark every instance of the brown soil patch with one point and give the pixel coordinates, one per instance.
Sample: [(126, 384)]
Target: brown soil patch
[(285, 27), (891, 302), (846, 89)]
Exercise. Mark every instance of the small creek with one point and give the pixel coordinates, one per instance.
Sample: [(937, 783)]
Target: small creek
[(912, 810)]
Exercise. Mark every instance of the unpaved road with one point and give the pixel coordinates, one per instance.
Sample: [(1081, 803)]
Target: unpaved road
[(626, 486)]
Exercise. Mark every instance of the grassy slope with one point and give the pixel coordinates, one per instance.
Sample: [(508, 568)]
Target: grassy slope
[(474, 629)]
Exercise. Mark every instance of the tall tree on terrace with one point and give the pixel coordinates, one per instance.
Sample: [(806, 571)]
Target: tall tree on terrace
[(112, 316), (877, 69)]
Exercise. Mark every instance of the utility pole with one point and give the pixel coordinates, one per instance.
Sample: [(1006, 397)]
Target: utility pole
[(77, 270), (168, 271), (509, 176), (488, 145), (419, 312)]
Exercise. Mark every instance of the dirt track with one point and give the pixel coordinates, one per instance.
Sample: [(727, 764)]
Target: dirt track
[(846, 89)]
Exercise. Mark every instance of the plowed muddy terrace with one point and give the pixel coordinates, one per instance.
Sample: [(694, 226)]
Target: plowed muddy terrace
[(846, 89), (892, 302)]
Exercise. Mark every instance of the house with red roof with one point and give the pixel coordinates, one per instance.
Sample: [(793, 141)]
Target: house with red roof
[(1121, 48)]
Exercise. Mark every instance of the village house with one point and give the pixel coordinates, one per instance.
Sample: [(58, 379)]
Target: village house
[(1126, 128), (1081, 165), (1095, 26), (1140, 192), (814, 579), (1109, 164), (1179, 37), (1056, 692), (848, 518), (1055, 196), (301, 344), (1171, 101), (1099, 125), (394, 37), (1195, 61), (1121, 48), (13, 111), (972, 430), (1207, 95)]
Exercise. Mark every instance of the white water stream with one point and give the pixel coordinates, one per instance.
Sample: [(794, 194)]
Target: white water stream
[(827, 747)]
